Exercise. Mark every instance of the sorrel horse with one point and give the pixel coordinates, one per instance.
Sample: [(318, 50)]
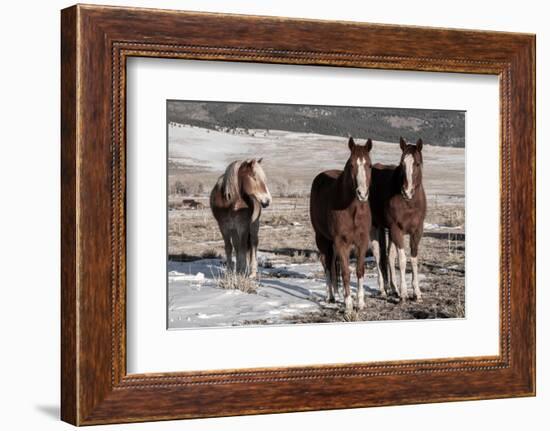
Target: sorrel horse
[(236, 201), (341, 217), (398, 203)]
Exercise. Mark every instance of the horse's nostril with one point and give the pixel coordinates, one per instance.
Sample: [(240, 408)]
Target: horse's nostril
[(362, 196), (407, 194)]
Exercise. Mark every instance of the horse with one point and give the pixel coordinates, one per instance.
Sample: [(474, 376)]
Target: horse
[(341, 218), (236, 201), (398, 203)]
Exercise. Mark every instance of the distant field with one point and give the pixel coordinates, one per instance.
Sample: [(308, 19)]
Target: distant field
[(291, 160)]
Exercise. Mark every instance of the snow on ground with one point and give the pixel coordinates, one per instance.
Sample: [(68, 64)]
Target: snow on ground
[(196, 301), (301, 156), (285, 292)]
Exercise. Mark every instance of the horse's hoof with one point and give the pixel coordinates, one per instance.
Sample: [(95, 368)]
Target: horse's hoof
[(383, 294), (417, 298), (360, 305)]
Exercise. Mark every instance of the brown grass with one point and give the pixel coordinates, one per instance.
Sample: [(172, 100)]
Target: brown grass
[(353, 316), (277, 220), (446, 215), (302, 257), (234, 281), (211, 253)]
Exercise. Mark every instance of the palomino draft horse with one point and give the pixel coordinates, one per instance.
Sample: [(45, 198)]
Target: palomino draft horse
[(341, 217), (236, 201), (398, 203)]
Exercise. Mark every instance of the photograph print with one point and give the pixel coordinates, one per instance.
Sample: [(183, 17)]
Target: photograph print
[(283, 214)]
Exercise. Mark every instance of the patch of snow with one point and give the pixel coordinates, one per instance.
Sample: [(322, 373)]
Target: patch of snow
[(285, 293), (431, 226), (176, 276)]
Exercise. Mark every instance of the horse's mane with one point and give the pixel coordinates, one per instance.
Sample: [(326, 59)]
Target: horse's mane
[(228, 185), (230, 181)]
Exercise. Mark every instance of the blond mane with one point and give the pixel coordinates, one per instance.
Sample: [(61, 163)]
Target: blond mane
[(230, 181)]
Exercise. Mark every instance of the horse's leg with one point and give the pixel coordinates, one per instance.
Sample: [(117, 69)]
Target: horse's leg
[(384, 256), (252, 261), (392, 254), (334, 269), (376, 251), (398, 240), (228, 252), (360, 271), (342, 253), (240, 242), (329, 297), (325, 256), (253, 250), (415, 242)]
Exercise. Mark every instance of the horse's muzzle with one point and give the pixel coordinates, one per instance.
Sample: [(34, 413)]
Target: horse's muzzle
[(362, 197), (406, 196), (265, 203)]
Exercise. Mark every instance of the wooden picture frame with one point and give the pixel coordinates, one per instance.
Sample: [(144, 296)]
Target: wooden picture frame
[(95, 43)]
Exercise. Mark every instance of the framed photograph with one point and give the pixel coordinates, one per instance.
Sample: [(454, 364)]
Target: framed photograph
[(265, 215)]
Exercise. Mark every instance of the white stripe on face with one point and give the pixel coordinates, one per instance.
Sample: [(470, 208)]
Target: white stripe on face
[(362, 189), (409, 164)]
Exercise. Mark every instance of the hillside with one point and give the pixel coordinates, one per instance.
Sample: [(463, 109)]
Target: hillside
[(436, 127)]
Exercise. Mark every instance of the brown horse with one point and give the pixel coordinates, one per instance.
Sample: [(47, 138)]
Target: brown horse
[(340, 215), (398, 203), (237, 200)]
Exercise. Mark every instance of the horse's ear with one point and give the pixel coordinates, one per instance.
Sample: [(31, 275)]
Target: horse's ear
[(369, 144), (351, 143), (419, 144), (402, 143)]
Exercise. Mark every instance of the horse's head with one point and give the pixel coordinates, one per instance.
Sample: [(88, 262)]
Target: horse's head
[(359, 166), (253, 182), (411, 166)]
